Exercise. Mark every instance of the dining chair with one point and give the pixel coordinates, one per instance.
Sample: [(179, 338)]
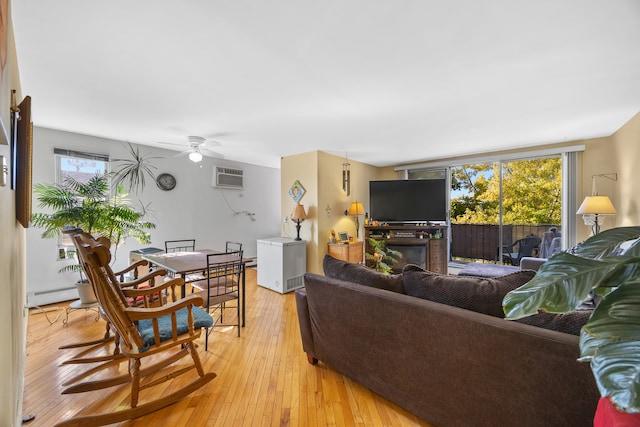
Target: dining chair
[(232, 246), (186, 245), (221, 292), (162, 336)]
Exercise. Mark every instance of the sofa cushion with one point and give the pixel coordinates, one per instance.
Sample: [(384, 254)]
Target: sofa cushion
[(479, 294), (362, 275), (569, 323)]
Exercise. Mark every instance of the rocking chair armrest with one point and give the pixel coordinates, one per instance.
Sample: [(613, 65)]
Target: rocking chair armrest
[(145, 278), (141, 292), (155, 312), (139, 263)]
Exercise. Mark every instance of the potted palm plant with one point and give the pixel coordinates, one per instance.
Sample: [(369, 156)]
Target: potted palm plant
[(381, 258), (607, 264), (89, 206)]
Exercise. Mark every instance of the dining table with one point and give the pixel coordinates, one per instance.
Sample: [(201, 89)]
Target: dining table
[(184, 264)]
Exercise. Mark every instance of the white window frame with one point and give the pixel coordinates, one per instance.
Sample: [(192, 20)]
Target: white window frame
[(84, 160)]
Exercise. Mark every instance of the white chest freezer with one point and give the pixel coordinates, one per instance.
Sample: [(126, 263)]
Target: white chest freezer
[(282, 262)]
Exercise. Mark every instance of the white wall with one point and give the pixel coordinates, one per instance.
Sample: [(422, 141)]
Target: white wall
[(193, 209)]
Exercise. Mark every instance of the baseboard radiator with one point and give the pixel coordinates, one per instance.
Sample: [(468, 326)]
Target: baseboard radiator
[(51, 296)]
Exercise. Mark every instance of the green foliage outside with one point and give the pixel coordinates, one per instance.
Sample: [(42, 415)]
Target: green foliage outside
[(531, 191)]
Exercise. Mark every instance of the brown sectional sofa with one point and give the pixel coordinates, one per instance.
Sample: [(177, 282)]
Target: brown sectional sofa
[(448, 365)]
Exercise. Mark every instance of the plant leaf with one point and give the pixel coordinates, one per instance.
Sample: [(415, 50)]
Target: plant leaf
[(617, 371), (561, 285), (615, 319), (134, 171), (608, 243), (88, 206)]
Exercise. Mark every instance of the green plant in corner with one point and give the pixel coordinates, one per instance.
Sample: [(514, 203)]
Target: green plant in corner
[(90, 207), (382, 257), (609, 264)]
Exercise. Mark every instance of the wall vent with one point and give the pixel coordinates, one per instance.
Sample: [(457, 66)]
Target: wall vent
[(228, 177)]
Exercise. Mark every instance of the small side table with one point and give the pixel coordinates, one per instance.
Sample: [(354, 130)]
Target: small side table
[(350, 252), (79, 305)]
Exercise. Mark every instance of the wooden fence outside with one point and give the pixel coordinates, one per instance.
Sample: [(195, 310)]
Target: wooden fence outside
[(480, 241)]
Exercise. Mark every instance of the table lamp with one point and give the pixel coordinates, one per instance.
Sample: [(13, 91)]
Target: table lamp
[(356, 209), (298, 215)]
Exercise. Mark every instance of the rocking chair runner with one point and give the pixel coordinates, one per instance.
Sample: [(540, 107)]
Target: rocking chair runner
[(168, 331)]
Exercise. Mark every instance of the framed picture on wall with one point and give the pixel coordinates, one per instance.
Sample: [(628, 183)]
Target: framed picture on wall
[(296, 191), (23, 134)]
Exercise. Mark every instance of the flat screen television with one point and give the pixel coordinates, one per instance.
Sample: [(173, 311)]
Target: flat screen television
[(411, 201)]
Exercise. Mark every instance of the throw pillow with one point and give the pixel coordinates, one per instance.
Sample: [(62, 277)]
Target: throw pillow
[(361, 274), (569, 323), (480, 294)]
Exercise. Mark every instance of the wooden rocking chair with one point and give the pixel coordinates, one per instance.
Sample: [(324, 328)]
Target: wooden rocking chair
[(167, 333), (90, 347)]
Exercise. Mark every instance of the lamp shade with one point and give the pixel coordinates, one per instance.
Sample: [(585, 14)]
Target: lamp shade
[(195, 156), (596, 205), (298, 212), (356, 208)]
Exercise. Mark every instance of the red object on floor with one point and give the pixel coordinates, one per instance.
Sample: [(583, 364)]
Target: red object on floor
[(608, 416)]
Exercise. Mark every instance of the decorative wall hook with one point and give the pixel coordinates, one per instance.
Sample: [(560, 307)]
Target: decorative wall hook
[(346, 176), (612, 176)]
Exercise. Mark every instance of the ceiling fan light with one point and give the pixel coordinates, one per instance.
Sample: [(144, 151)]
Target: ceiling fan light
[(195, 157)]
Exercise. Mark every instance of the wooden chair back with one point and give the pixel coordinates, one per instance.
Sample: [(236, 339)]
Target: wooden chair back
[(96, 258)]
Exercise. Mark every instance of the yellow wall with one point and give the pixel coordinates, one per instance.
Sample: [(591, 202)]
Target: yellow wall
[(618, 153), (320, 174), (304, 168)]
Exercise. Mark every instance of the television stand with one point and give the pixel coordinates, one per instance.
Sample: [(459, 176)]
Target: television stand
[(423, 245)]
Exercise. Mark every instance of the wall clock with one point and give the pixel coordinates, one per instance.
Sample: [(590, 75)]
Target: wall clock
[(166, 181)]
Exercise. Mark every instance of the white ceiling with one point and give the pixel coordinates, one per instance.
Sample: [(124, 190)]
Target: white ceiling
[(386, 81)]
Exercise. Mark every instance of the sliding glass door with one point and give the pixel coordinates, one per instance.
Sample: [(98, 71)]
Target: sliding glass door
[(502, 211)]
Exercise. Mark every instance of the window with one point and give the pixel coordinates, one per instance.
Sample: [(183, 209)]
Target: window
[(504, 201), (79, 165), (508, 208)]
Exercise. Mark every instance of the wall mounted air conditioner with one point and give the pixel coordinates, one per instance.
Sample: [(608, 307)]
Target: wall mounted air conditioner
[(228, 177)]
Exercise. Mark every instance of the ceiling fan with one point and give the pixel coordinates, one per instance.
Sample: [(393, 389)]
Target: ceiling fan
[(197, 147)]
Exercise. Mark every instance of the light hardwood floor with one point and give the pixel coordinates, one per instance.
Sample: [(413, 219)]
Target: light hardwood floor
[(263, 377)]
